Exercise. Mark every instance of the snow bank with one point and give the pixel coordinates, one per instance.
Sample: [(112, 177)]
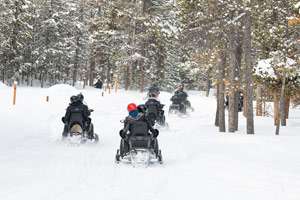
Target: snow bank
[(63, 88), (2, 85)]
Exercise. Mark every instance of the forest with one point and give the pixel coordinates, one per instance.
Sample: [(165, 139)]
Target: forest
[(234, 46)]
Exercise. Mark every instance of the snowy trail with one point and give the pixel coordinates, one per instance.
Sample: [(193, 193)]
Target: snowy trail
[(199, 162)]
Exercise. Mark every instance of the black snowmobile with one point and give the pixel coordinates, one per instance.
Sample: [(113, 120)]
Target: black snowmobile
[(79, 131), (178, 106), (139, 147)]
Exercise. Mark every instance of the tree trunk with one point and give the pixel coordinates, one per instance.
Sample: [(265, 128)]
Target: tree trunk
[(275, 108), (207, 84), (127, 78), (238, 63), (133, 65), (259, 91), (248, 63), (92, 68), (142, 67), (281, 108), (283, 114), (244, 102), (287, 106), (108, 71), (217, 112), (221, 113), (231, 77), (76, 62), (43, 79)]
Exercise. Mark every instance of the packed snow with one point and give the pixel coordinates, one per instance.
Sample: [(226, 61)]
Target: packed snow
[(199, 162)]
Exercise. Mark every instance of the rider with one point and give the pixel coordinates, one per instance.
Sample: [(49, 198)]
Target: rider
[(77, 106), (134, 116), (178, 100), (154, 89), (183, 95), (152, 101)]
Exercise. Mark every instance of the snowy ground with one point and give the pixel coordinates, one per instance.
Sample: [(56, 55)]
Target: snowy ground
[(199, 162)]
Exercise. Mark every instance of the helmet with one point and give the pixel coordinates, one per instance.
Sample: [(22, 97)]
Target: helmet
[(73, 99), (142, 108), (80, 97), (179, 87), (131, 107)]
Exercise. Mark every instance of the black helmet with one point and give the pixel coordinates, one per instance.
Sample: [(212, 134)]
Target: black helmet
[(73, 99), (142, 108), (80, 97)]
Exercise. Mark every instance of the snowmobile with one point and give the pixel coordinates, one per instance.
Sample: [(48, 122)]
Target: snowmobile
[(158, 119), (78, 130), (178, 109), (139, 147)]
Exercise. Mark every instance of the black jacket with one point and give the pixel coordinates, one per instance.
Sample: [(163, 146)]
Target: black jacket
[(158, 105), (140, 117), (182, 94), (77, 107), (98, 84)]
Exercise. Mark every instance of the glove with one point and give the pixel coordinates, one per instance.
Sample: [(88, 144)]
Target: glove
[(122, 134), (156, 133), (89, 120), (63, 120)]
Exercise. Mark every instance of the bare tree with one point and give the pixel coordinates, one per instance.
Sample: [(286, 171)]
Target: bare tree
[(248, 63)]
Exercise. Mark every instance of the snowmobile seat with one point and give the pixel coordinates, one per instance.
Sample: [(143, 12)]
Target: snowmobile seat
[(152, 112), (139, 137), (176, 99)]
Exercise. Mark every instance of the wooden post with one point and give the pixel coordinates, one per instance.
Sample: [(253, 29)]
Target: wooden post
[(116, 84), (15, 92), (109, 89), (102, 93), (47, 98)]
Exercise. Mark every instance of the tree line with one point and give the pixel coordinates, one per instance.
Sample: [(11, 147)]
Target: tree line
[(200, 44)]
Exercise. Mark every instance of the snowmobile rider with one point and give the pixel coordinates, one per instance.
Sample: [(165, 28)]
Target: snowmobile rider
[(98, 84), (152, 100), (76, 106), (135, 115), (183, 95), (154, 89), (178, 100)]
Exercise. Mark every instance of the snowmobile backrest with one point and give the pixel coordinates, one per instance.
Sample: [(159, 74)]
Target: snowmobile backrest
[(76, 118), (152, 110), (139, 128), (176, 99)]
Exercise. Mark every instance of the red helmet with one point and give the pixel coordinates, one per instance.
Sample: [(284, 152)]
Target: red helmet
[(179, 87), (131, 107)]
